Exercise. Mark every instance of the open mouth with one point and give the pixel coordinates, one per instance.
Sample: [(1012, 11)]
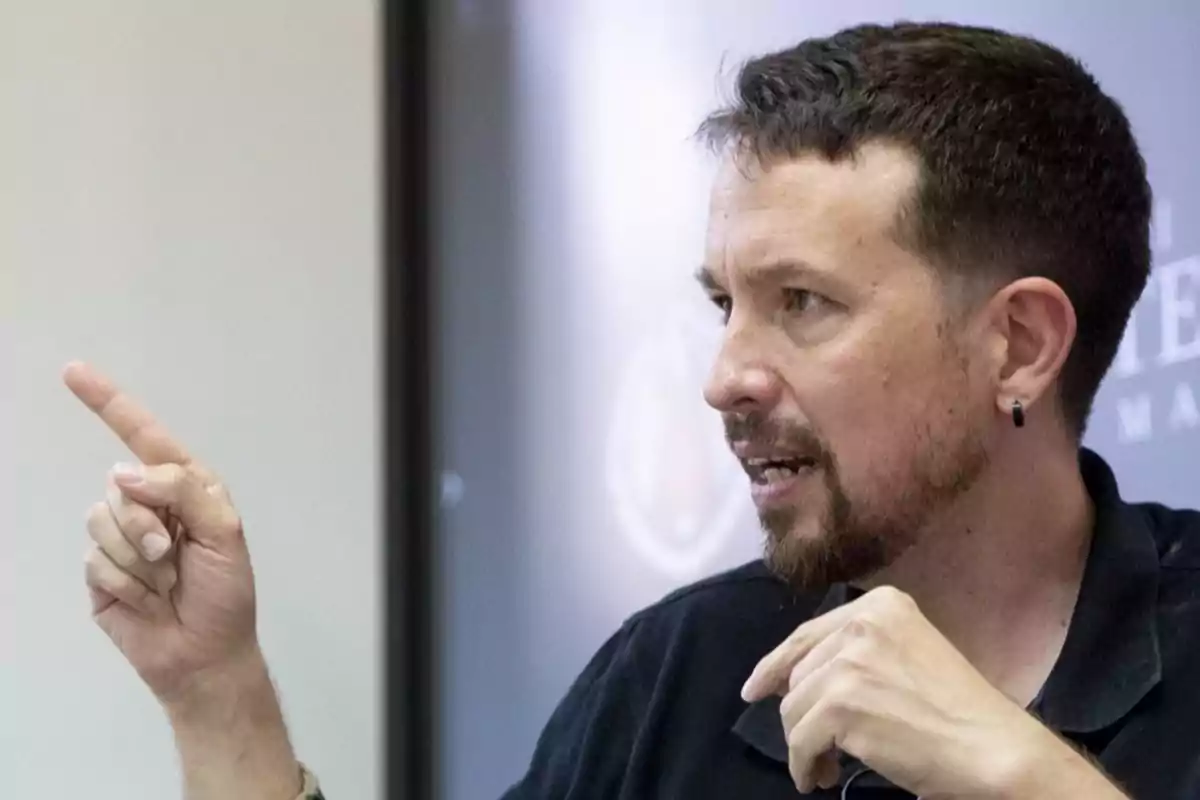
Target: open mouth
[(765, 471)]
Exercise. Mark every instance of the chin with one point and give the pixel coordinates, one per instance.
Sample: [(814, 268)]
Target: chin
[(812, 555), (796, 529)]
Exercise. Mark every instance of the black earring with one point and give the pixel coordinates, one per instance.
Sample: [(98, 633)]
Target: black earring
[(1018, 414)]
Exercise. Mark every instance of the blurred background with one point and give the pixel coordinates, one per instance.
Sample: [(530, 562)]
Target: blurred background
[(189, 199)]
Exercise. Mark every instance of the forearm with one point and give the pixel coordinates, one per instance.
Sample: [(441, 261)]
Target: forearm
[(1058, 770), (1079, 779), (232, 739)]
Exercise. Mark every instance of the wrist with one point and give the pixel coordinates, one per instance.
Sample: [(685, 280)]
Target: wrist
[(230, 733), (242, 675), (1050, 768)]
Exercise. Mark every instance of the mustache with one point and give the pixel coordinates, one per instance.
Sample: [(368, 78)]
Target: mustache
[(756, 428)]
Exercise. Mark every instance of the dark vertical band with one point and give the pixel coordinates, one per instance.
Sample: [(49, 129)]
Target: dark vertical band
[(407, 320)]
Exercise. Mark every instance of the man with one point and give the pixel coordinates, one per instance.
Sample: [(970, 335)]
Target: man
[(924, 244)]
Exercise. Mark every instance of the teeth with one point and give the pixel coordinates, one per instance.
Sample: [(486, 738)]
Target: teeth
[(769, 470), (773, 474)]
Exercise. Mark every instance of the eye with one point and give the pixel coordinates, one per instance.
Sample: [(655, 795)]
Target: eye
[(801, 300), (724, 303)]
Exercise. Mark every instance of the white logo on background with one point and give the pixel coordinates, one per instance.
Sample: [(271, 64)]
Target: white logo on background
[(677, 491), (1174, 291)]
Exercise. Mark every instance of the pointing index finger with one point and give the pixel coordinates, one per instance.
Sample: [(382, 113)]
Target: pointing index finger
[(144, 435), (771, 673)]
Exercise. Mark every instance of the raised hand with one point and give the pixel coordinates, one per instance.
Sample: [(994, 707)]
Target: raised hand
[(171, 585), (169, 573)]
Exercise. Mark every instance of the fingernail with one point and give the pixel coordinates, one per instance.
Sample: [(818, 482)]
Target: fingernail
[(127, 474), (154, 545), (746, 689)]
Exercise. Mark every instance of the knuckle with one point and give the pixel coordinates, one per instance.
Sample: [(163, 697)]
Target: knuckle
[(231, 524), (92, 560), (892, 598), (796, 674), (164, 474), (847, 664), (178, 474), (117, 580), (851, 740), (102, 576), (220, 493), (123, 584), (102, 573), (97, 512), (138, 519), (198, 476), (787, 705), (846, 688), (122, 554), (860, 627), (135, 522), (836, 709), (842, 692), (795, 737)]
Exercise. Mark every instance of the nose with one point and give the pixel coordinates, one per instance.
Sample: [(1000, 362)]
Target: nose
[(741, 379)]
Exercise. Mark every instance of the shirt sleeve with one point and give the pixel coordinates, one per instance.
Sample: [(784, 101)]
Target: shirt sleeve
[(311, 790), (584, 749)]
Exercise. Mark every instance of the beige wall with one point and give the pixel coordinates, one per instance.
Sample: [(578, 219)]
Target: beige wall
[(187, 199)]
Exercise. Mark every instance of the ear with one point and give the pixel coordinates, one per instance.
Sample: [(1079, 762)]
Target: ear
[(1033, 328)]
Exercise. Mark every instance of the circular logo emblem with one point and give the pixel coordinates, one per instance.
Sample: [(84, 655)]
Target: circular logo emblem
[(677, 491)]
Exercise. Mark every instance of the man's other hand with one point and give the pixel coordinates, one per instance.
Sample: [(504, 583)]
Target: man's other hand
[(874, 678)]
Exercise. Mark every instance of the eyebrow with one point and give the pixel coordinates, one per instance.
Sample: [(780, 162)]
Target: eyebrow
[(772, 272)]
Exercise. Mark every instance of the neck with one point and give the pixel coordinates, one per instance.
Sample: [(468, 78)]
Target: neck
[(999, 573)]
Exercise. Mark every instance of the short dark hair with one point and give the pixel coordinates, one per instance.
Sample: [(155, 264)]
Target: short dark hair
[(1027, 167)]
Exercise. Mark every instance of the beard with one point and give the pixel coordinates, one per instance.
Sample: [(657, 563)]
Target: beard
[(860, 534)]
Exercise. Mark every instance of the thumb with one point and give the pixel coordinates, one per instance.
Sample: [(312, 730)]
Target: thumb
[(188, 492)]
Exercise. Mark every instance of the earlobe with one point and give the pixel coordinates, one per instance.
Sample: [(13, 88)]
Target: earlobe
[(1012, 407)]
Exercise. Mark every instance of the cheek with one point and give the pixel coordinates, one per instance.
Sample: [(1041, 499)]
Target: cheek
[(868, 386), (880, 405)]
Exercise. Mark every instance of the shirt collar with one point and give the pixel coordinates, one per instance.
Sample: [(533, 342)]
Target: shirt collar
[(1110, 659)]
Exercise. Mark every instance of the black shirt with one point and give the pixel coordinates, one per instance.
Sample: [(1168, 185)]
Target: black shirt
[(657, 712)]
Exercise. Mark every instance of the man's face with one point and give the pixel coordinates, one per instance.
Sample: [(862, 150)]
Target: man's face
[(844, 381)]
